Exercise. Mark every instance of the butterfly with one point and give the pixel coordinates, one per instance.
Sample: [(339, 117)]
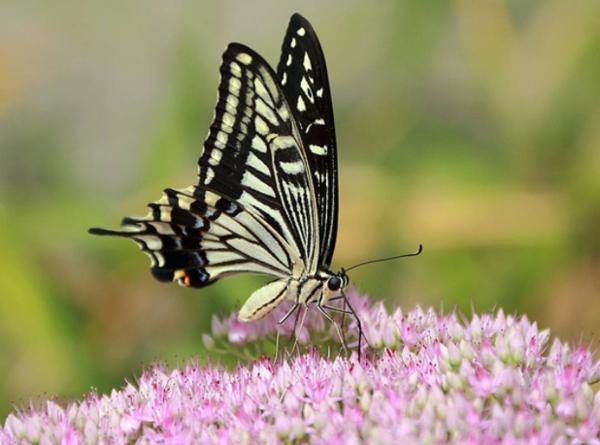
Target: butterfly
[(266, 200)]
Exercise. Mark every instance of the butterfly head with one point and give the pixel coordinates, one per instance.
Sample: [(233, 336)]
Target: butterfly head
[(337, 282), (334, 285)]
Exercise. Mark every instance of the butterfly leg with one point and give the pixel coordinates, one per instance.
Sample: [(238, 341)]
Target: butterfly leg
[(337, 327), (343, 321), (339, 297), (293, 309), (359, 324), (304, 310), (343, 311), (337, 309), (290, 312), (276, 347)]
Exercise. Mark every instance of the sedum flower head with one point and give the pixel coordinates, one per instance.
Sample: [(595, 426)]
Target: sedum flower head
[(428, 378)]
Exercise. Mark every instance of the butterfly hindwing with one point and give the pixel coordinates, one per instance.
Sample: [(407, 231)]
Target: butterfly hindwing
[(195, 237), (303, 78)]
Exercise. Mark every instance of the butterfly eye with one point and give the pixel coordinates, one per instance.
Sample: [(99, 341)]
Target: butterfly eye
[(334, 283)]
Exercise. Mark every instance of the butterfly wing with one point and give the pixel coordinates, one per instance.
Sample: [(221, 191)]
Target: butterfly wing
[(194, 237), (303, 78), (253, 209), (253, 153)]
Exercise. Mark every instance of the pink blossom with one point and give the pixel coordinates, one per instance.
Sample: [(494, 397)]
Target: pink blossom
[(427, 378)]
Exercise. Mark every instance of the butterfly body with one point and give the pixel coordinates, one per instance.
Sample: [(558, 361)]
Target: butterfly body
[(316, 289)]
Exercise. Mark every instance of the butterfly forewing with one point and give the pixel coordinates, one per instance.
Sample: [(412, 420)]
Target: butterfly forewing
[(303, 78), (252, 131)]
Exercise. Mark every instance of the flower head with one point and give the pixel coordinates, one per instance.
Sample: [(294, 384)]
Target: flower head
[(429, 378)]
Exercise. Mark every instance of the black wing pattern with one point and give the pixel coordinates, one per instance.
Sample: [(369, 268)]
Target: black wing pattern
[(253, 209), (303, 77)]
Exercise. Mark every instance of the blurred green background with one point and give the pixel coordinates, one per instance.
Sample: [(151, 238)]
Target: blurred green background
[(470, 126)]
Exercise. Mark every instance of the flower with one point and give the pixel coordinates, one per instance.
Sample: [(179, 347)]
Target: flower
[(428, 378)]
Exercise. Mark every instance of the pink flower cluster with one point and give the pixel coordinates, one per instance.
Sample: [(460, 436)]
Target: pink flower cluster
[(429, 378)]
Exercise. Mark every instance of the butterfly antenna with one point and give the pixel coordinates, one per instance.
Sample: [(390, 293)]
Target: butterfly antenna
[(380, 260)]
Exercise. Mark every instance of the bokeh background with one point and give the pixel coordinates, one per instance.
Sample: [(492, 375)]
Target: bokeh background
[(471, 127)]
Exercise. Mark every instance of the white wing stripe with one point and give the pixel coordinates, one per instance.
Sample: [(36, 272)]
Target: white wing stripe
[(307, 89), (261, 91), (266, 111), (318, 150), (258, 144), (253, 183), (293, 168), (235, 85), (252, 250), (282, 142), (247, 199), (306, 62), (261, 126), (222, 256), (265, 237), (258, 164)]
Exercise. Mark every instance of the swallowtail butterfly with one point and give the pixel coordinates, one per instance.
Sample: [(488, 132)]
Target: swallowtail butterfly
[(266, 200)]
